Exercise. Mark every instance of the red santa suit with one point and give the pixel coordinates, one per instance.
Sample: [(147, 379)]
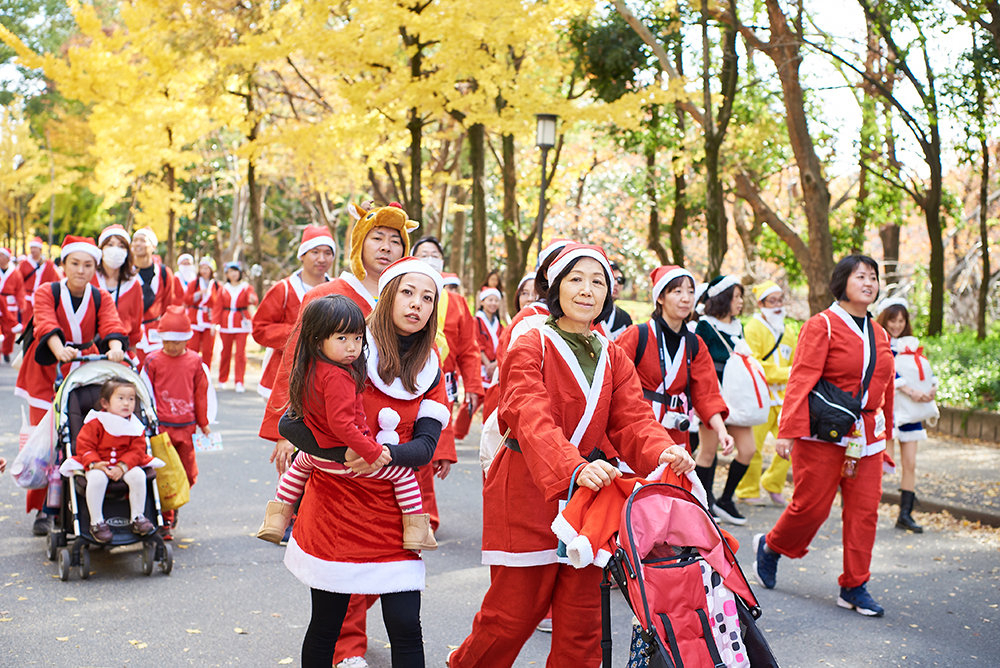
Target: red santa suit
[(162, 286), (233, 317), (273, 322), (557, 419), (488, 336), (98, 441), (12, 304), (200, 315), (180, 285), (828, 347), (34, 275), (127, 298)]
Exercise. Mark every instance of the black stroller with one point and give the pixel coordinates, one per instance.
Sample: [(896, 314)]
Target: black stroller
[(70, 540)]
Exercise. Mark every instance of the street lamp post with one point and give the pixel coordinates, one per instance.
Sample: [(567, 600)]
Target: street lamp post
[(545, 138)]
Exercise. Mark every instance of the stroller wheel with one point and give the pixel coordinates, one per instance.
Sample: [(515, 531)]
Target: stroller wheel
[(167, 563), (85, 563), (64, 564), (148, 557), (53, 546)]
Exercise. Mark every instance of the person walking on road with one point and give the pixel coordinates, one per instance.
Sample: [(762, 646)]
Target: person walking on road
[(157, 284), (828, 350), (233, 316), (116, 274), (11, 301), (200, 299), (35, 272)]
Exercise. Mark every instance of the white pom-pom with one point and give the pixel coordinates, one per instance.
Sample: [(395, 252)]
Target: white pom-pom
[(387, 438), (388, 419)]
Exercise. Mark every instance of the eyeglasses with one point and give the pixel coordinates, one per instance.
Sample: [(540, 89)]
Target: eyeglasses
[(774, 302), (620, 280)]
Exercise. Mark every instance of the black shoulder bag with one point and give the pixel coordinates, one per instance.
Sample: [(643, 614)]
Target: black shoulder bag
[(833, 412)]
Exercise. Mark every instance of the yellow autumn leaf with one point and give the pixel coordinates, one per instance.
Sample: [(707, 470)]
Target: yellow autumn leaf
[(193, 631)]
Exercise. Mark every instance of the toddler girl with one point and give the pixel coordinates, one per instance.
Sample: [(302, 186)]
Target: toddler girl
[(916, 388), (111, 445), (325, 386)]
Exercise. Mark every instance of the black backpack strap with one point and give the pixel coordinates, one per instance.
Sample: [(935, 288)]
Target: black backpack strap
[(96, 294), (640, 347), (776, 344)]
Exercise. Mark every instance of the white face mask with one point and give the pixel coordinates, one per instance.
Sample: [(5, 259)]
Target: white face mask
[(187, 272), (114, 256), (774, 316), (435, 263)]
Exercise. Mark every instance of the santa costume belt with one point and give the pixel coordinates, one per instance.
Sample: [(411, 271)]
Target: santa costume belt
[(178, 425), (242, 308), (664, 399), (594, 455), (156, 319)]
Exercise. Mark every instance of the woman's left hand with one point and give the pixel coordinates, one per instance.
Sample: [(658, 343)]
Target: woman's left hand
[(116, 355), (678, 458), (441, 467)]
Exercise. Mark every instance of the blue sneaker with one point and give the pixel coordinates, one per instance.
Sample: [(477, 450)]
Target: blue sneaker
[(858, 598), (765, 567)]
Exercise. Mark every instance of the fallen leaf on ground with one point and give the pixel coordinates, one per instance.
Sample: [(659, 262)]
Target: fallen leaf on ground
[(284, 662), (240, 631), (69, 598), (64, 639), (193, 631), (138, 644)]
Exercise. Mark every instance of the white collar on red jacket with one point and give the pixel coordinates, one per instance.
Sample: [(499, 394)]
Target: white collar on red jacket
[(117, 425), (425, 377), (155, 283), (75, 318), (235, 289), (122, 287), (358, 287), (4, 275), (848, 319), (591, 392), (492, 326)]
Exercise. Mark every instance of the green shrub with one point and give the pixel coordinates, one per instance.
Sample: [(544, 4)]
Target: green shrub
[(968, 370)]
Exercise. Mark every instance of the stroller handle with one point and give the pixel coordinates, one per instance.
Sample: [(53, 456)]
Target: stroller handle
[(98, 358)]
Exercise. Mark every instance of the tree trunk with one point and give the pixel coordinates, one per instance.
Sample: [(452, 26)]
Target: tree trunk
[(653, 234), (457, 258), (254, 193), (416, 127), (984, 240), (477, 158), (890, 255), (171, 217), (516, 259), (679, 222), (932, 212)]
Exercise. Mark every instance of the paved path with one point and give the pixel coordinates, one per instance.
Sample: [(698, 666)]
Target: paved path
[(230, 601)]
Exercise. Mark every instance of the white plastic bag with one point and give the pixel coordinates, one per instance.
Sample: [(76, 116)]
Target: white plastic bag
[(490, 441), (745, 391), (26, 429), (31, 466), (914, 368)]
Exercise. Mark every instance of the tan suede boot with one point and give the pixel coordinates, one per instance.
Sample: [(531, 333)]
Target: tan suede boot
[(417, 533), (276, 520)]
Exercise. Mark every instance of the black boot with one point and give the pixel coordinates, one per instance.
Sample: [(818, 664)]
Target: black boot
[(706, 474), (724, 506), (905, 520)]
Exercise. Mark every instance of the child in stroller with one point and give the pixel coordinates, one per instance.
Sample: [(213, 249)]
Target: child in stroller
[(111, 445)]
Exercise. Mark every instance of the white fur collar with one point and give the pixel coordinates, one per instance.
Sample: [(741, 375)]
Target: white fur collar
[(115, 425), (425, 378), (734, 327)]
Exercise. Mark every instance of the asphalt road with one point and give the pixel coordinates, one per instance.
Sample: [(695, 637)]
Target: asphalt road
[(230, 601)]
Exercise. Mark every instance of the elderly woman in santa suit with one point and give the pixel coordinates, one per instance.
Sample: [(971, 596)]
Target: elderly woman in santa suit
[(116, 274), (348, 535), (67, 320), (566, 393)]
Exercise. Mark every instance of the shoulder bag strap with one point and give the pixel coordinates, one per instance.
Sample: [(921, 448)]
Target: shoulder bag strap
[(776, 344), (871, 361)]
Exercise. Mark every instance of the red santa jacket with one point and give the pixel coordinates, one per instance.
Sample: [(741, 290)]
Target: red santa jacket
[(38, 370), (12, 295), (127, 298), (531, 316), (278, 401), (334, 418), (200, 299), (180, 289), (273, 322), (488, 334), (558, 419), (180, 389), (34, 276), (162, 285), (232, 306), (829, 347), (105, 437), (704, 382), (463, 347)]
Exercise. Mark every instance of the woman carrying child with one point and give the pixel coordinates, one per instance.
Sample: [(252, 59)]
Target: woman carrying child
[(348, 535), (912, 369), (111, 445)]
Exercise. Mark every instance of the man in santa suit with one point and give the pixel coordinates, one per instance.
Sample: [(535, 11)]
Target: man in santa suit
[(35, 270), (186, 272), (157, 289), (277, 312), (11, 302)]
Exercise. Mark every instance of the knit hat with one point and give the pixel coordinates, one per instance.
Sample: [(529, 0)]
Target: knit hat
[(554, 246), (663, 275), (7, 252), (450, 279), (572, 252), (409, 265), (765, 289), (185, 256), (115, 230), (148, 234), (720, 284), (490, 292), (72, 244), (235, 264), (391, 216), (530, 276), (891, 301), (35, 243), (174, 325), (314, 236), (207, 259)]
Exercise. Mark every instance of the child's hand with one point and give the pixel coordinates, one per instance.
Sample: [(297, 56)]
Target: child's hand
[(115, 472), (206, 430), (727, 442), (383, 459), (350, 455), (678, 459)]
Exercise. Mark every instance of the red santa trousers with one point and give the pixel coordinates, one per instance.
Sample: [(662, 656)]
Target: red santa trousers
[(7, 327), (517, 601), (183, 441), (816, 472), (463, 421), (228, 340), (203, 343), (353, 640)]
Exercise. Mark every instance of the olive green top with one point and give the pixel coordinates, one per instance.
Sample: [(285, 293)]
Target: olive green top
[(587, 348)]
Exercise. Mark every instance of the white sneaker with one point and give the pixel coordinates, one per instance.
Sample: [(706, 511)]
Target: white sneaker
[(353, 662), (545, 626), (240, 390)]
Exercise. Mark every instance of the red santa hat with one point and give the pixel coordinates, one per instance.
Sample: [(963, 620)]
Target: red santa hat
[(115, 230), (174, 325), (35, 243), (450, 279), (314, 236), (575, 252), (663, 275), (554, 246), (72, 244), (490, 292), (530, 276), (149, 235), (409, 265), (7, 252)]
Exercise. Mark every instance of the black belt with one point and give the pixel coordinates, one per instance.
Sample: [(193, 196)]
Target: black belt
[(146, 322), (594, 455), (177, 425), (242, 308)]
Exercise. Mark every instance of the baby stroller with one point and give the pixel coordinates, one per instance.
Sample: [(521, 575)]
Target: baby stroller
[(70, 540), (681, 579)]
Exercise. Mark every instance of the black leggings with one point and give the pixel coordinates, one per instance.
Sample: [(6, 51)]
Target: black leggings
[(400, 612)]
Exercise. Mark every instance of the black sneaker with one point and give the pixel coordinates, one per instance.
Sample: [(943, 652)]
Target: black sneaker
[(859, 600), (727, 512), (42, 525), (765, 566)]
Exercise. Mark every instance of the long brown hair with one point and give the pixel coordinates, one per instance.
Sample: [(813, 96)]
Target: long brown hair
[(321, 319), (390, 364)]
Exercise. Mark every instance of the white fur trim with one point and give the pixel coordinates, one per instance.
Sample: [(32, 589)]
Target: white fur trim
[(307, 246), (723, 285), (116, 425), (113, 232), (409, 265), (354, 578), (891, 301), (425, 377), (530, 276), (263, 391), (175, 336), (148, 234), (34, 243), (185, 256), (563, 530), (434, 410), (602, 558), (387, 437), (451, 280), (580, 552), (519, 559), (490, 292), (388, 419), (358, 287), (770, 291), (560, 263), (669, 276), (555, 247), (81, 247), (32, 401)]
